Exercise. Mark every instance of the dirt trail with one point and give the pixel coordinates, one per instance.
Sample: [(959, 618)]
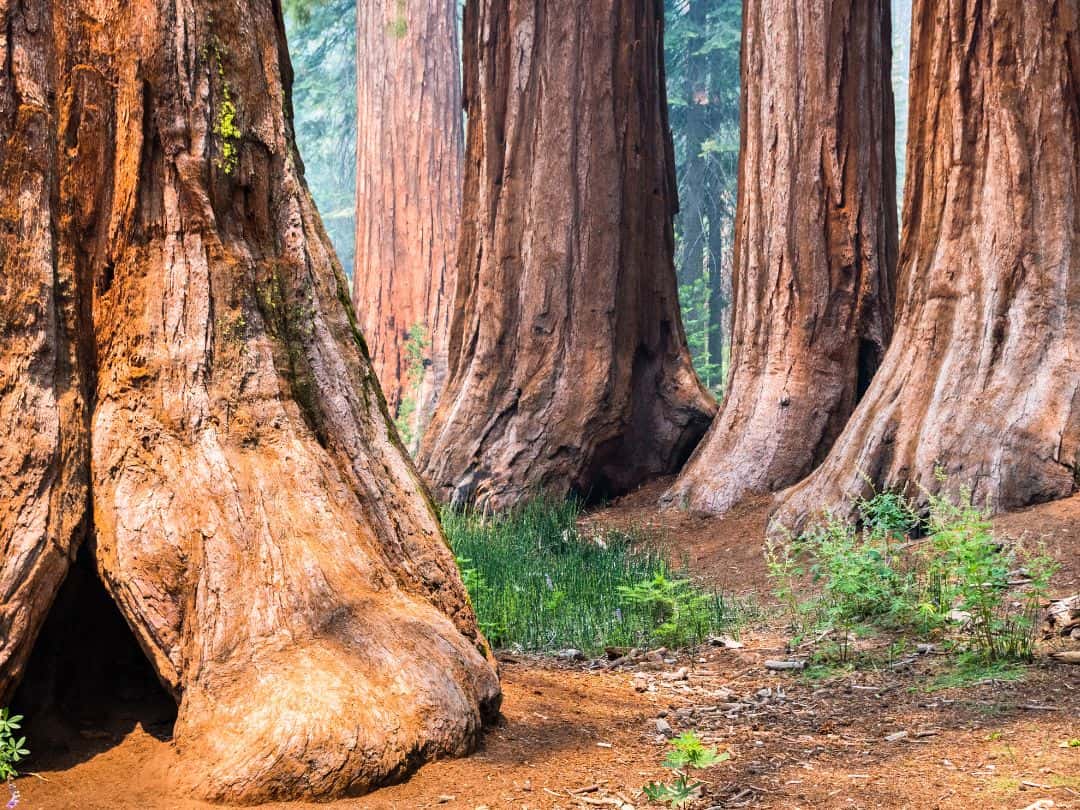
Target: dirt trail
[(799, 745)]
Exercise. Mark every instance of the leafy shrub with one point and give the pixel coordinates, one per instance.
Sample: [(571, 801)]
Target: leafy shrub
[(686, 751), (12, 750), (673, 612), (965, 567), (872, 571), (537, 582), (858, 579)]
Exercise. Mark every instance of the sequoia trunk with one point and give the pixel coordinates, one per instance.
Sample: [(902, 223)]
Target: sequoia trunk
[(718, 304), (569, 370), (255, 517), (692, 195), (408, 196), (815, 245), (44, 474), (982, 379)]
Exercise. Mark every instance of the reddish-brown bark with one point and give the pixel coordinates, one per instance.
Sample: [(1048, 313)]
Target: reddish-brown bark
[(408, 195), (815, 245), (983, 376), (568, 364), (44, 475), (255, 517)]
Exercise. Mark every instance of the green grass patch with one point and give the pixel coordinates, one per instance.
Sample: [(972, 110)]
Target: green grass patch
[(969, 669), (537, 583), (819, 673)]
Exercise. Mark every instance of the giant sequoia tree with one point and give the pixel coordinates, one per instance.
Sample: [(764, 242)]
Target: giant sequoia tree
[(408, 195), (983, 376), (168, 291), (815, 244), (568, 364)]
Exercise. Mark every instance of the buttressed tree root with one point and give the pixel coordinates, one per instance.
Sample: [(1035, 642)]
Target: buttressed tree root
[(168, 290), (815, 246), (569, 371), (982, 378)]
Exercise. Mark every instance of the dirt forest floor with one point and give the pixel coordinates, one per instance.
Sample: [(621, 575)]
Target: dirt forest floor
[(588, 734)]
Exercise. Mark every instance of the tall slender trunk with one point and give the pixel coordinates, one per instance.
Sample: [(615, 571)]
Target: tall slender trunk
[(254, 516), (718, 302), (568, 364), (815, 245), (692, 202), (408, 196), (982, 379)]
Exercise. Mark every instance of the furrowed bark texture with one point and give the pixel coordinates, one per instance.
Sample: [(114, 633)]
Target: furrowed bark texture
[(569, 370), (44, 474), (255, 517), (983, 376), (815, 245), (408, 195)]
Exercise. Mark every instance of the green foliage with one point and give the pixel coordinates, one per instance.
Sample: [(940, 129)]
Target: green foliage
[(970, 669), (322, 44), (702, 325), (673, 612), (701, 46), (968, 568), (12, 747), (416, 350), (679, 792), (686, 751), (871, 572), (537, 582), (857, 578)]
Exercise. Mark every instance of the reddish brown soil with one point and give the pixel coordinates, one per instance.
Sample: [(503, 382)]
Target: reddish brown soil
[(725, 551), (817, 745), (1056, 526), (821, 746)]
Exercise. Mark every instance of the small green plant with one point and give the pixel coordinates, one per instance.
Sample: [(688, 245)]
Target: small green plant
[(786, 572), (673, 612), (679, 792), (1074, 742), (971, 669), (12, 751), (968, 569), (687, 751), (958, 578), (857, 576), (888, 515)]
